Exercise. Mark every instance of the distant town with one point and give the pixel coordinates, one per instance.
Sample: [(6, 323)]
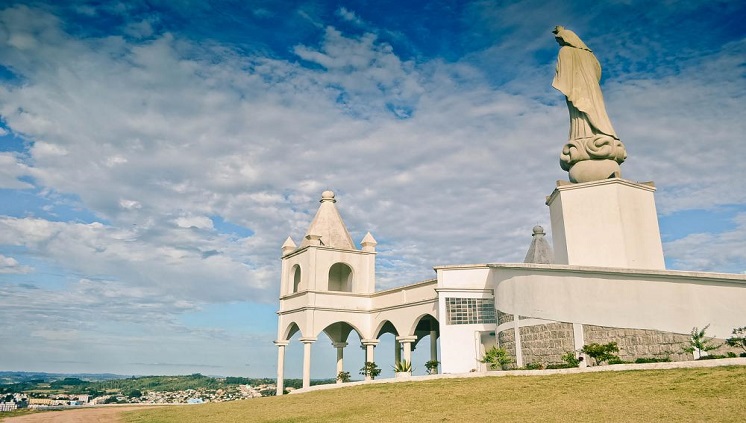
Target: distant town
[(54, 391)]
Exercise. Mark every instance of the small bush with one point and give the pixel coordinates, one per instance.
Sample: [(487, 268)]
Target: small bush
[(731, 354), (496, 358), (738, 340), (700, 343), (570, 359), (600, 353), (560, 366), (370, 369), (343, 377), (432, 366), (642, 360), (403, 366), (535, 366), (711, 357), (617, 360)]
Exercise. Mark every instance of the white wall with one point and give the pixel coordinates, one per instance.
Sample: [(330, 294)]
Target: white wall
[(609, 223), (460, 344), (670, 301)]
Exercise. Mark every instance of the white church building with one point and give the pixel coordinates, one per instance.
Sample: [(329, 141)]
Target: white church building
[(605, 281)]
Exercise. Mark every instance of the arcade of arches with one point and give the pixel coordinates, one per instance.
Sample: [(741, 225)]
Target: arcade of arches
[(338, 332)]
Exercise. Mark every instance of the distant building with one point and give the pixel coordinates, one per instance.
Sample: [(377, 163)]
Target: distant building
[(8, 406)]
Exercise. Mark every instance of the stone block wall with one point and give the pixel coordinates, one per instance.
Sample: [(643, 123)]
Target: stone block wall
[(506, 340), (546, 343), (637, 343), (503, 317)]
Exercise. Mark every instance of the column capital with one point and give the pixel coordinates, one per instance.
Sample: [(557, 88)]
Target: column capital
[(339, 344), (281, 343), (367, 342), (308, 340), (406, 339)]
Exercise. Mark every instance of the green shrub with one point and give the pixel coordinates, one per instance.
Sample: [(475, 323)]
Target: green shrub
[(617, 360), (601, 352), (496, 358), (642, 360), (571, 359), (370, 369), (711, 357), (343, 377), (738, 340), (403, 366), (699, 342), (432, 366), (560, 366), (535, 366)]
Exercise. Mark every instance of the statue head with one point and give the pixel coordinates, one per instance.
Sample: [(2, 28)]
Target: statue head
[(565, 37)]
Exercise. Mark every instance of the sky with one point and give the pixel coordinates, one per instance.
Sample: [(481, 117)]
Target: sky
[(156, 154)]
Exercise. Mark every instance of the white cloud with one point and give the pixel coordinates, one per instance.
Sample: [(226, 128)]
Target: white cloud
[(349, 15), (722, 252), (173, 261), (198, 222), (9, 265), (11, 168)]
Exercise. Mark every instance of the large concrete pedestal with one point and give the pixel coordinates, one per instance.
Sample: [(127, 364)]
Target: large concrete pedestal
[(608, 223)]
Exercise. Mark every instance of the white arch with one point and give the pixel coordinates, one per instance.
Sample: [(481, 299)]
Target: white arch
[(296, 272), (340, 277), (291, 329)]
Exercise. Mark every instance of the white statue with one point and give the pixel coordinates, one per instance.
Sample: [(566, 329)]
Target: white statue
[(593, 150)]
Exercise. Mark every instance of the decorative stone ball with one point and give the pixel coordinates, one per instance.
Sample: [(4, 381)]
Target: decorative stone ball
[(327, 195), (538, 230)]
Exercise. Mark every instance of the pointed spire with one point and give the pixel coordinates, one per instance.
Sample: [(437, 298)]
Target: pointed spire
[(288, 246), (540, 251), (369, 243), (328, 227)]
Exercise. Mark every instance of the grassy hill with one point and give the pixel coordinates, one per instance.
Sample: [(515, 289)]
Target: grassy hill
[(686, 395)]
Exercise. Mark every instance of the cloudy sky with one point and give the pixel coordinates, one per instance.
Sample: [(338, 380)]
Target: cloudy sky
[(156, 154)]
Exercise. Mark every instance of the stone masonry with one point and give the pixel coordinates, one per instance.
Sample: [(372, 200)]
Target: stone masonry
[(546, 343), (637, 343), (506, 340)]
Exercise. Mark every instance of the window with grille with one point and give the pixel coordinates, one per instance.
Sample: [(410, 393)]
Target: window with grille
[(469, 311)]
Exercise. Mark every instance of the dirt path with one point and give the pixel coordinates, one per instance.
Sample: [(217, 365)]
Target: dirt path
[(87, 415)]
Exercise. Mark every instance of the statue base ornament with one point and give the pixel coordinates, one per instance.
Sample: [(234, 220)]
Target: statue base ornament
[(594, 170), (593, 158)]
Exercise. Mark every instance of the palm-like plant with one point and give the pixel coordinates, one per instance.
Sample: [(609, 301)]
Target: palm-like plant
[(403, 366), (699, 342)]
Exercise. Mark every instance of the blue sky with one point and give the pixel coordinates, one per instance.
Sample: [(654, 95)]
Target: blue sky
[(156, 154)]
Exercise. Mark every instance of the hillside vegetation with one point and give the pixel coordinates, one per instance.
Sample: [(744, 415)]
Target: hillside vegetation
[(711, 394)]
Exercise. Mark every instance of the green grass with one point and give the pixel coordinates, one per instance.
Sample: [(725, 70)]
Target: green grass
[(16, 413), (686, 395)]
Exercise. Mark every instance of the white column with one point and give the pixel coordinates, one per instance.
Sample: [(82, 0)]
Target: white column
[(307, 360), (406, 342), (397, 352), (434, 348), (518, 344), (577, 331), (281, 366), (369, 344), (340, 346)]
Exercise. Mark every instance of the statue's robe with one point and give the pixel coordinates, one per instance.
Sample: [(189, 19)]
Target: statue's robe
[(577, 76)]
